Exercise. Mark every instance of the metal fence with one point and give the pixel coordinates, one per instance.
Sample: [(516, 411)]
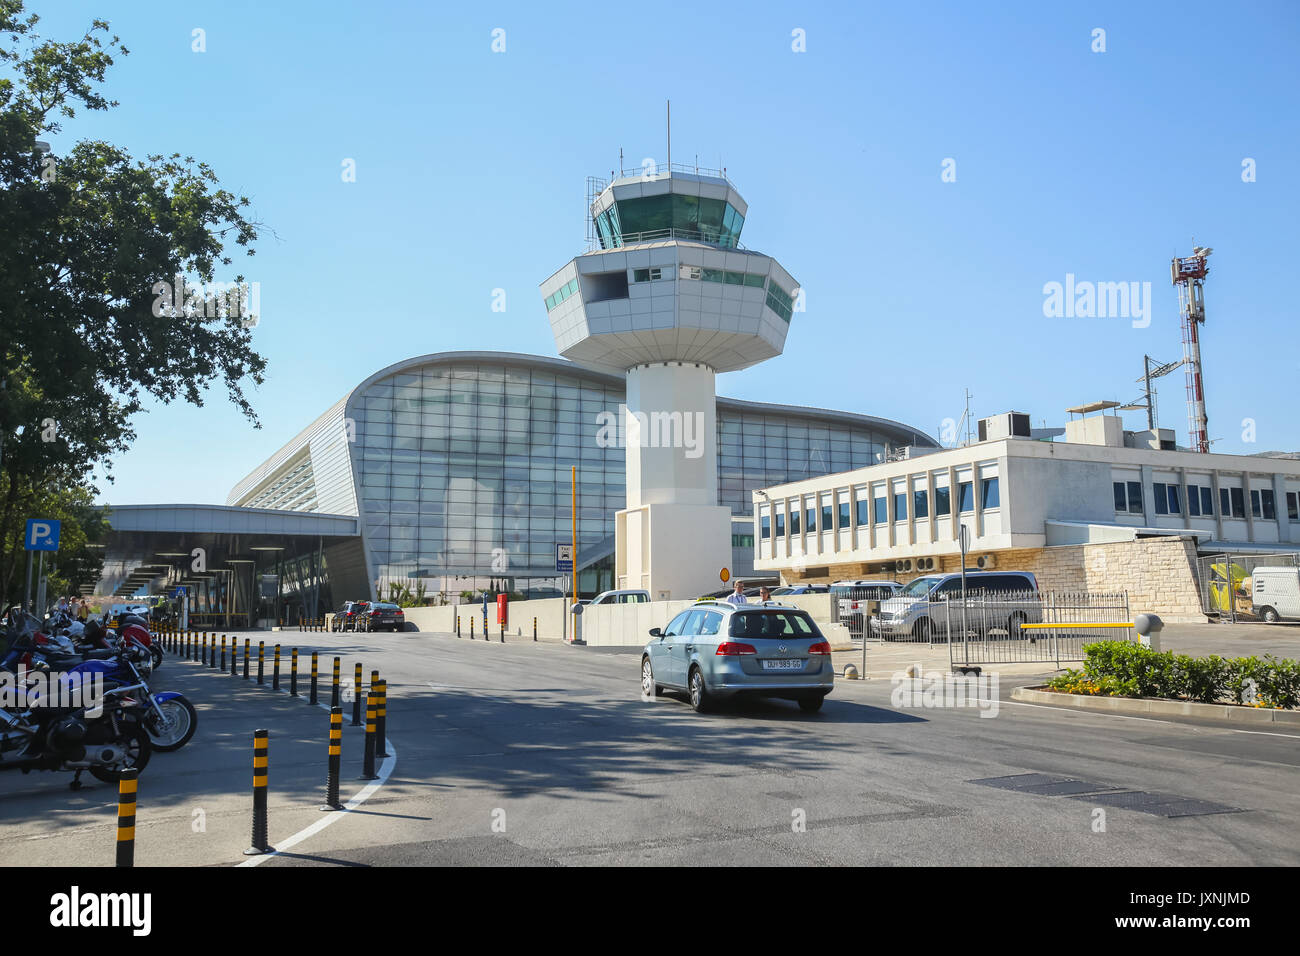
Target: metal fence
[(1033, 626), (1225, 582)]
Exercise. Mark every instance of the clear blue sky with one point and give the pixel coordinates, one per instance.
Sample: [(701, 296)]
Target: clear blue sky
[(471, 166)]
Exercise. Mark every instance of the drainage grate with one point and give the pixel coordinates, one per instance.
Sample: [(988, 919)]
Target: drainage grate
[(1157, 804), (1160, 804)]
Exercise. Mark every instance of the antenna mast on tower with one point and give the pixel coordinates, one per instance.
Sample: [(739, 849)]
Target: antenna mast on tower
[(1189, 275)]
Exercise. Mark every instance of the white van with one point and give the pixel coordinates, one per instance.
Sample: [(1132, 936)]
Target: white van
[(1275, 594)]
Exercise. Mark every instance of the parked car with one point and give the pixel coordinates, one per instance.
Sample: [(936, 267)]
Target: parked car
[(997, 601), (382, 616), (852, 597), (1275, 593), (715, 650), (625, 596), (345, 619), (801, 589)]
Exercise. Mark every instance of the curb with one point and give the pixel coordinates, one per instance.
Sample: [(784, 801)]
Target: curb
[(1165, 708)]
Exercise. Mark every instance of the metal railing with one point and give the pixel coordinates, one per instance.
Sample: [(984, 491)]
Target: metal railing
[(1030, 627), (671, 234), (1225, 582)]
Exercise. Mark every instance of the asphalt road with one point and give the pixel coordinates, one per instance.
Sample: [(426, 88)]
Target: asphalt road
[(544, 754)]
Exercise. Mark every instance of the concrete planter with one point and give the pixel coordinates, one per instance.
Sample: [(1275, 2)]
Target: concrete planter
[(1158, 707)]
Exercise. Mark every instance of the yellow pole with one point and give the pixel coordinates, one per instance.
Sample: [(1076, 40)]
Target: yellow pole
[(573, 505)]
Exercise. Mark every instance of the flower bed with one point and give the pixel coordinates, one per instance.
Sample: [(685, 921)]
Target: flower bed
[(1127, 669)]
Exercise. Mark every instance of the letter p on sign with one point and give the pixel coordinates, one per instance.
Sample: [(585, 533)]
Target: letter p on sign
[(42, 534)]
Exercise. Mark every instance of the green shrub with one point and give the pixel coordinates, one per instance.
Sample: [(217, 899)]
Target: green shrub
[(1128, 669)]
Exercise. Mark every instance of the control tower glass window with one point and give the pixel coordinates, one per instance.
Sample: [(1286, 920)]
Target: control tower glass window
[(670, 216)]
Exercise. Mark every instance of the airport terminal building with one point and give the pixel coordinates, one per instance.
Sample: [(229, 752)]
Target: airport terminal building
[(457, 467)]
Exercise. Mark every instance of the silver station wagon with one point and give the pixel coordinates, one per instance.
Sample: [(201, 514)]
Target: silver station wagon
[(718, 650)]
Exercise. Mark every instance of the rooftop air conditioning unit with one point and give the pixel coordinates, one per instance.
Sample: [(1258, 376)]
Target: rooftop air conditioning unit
[(986, 562), (903, 565)]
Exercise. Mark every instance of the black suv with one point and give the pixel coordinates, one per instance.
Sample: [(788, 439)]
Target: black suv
[(345, 619)]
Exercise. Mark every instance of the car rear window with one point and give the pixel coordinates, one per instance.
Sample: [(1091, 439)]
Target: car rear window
[(758, 624)]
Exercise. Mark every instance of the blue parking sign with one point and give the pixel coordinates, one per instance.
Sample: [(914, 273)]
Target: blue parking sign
[(42, 534)]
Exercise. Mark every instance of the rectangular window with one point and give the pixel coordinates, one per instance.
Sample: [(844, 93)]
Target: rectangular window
[(767, 527), (1121, 496), (965, 497), (742, 540), (1269, 504), (1135, 505), (900, 506), (881, 510), (647, 275), (810, 518), (1175, 499), (844, 513), (780, 525), (1254, 502), (988, 493), (1193, 501), (1207, 501), (942, 504), (1162, 499), (864, 512), (1238, 502), (794, 522), (1293, 505), (920, 504), (779, 301), (828, 518), (1225, 508)]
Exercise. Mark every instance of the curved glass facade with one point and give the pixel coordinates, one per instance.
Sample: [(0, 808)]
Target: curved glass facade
[(463, 466), (684, 216)]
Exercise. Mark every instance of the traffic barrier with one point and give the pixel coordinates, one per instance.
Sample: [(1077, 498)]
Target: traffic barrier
[(381, 720), (126, 794), (261, 769), (458, 625), (471, 628), (223, 653), (503, 633), (234, 656), (293, 673), (334, 693), (275, 670), (261, 660), (313, 679), (335, 759), (356, 696), (247, 648), (534, 629), (368, 765)]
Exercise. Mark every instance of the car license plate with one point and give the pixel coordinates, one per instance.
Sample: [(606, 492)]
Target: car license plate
[(783, 665)]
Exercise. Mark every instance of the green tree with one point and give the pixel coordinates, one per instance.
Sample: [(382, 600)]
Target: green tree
[(92, 241)]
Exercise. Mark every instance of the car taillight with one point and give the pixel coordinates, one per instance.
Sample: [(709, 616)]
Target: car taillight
[(734, 649), (821, 647)]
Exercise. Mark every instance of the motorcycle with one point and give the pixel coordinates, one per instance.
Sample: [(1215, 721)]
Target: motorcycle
[(52, 725), (168, 718)]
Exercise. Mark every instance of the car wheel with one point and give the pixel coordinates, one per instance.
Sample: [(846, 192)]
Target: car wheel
[(921, 629), (1013, 626), (648, 686), (810, 705), (1269, 615), (700, 698)]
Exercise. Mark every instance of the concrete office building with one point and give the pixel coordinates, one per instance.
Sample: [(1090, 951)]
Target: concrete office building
[(1104, 509)]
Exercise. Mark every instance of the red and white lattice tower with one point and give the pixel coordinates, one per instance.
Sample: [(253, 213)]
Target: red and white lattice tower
[(1189, 275)]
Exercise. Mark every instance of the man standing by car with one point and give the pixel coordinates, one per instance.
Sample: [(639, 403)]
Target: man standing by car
[(738, 595)]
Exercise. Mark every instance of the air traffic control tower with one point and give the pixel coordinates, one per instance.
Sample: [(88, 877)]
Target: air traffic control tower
[(668, 296)]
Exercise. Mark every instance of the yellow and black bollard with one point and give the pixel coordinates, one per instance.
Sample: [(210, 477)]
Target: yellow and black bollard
[(203, 647), (471, 627), (381, 721), (223, 653), (261, 660), (234, 656), (275, 670), (334, 691), (293, 673), (534, 630), (335, 759), (247, 654), (458, 625), (313, 679), (356, 696), (126, 794), (503, 632), (368, 765), (261, 768)]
